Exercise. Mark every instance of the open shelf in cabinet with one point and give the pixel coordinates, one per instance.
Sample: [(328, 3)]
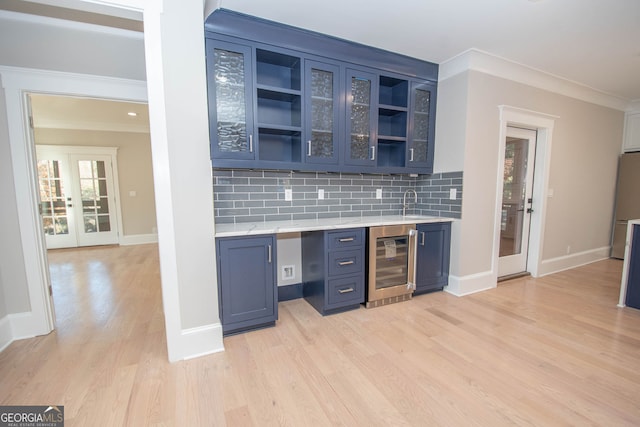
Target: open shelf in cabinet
[(279, 108), (393, 92), (277, 70), (391, 152), (279, 144)]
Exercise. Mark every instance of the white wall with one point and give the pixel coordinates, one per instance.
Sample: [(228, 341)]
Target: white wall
[(586, 143), (43, 43), (135, 172), (13, 279)]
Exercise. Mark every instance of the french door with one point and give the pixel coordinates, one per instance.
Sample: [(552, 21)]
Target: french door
[(517, 201), (77, 196)]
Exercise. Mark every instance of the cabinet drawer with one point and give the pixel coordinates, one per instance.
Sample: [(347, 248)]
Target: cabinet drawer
[(345, 239), (346, 290), (345, 262)]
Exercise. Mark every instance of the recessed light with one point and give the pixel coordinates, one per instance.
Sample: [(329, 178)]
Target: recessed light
[(132, 113)]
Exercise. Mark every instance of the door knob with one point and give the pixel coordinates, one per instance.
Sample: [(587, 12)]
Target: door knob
[(529, 210)]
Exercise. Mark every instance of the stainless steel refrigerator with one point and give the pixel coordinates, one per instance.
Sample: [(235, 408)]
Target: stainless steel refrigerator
[(627, 200)]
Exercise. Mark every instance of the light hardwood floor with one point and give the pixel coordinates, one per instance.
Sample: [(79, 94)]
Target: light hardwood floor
[(534, 352)]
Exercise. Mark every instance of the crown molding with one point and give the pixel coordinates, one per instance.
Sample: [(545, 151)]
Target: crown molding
[(477, 60)]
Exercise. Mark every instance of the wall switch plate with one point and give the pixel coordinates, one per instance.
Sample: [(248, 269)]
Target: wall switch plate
[(288, 194), (378, 193), (321, 194), (550, 192), (132, 193), (452, 193)]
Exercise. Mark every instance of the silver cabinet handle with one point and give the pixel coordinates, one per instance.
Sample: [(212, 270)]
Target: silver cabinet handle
[(251, 143), (269, 260), (345, 291), (422, 238), (309, 148), (373, 153), (341, 263), (411, 154), (346, 239)]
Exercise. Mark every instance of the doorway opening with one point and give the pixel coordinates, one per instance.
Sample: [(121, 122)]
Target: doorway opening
[(95, 188), (542, 126)]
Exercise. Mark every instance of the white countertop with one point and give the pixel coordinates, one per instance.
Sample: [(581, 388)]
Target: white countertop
[(274, 227)]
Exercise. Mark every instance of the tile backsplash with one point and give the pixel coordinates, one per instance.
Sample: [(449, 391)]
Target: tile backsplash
[(256, 196)]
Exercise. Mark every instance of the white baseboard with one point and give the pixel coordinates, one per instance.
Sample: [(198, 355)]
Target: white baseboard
[(567, 262), (138, 239), (470, 284), (16, 326), (201, 341), (6, 335)]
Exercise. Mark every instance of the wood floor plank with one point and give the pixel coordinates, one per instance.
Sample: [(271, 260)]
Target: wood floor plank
[(549, 351)]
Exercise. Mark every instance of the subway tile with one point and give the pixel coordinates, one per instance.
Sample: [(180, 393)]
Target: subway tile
[(225, 220), (250, 218), (263, 181), (279, 217), (233, 212), (297, 216), (233, 196), (289, 210), (264, 211)]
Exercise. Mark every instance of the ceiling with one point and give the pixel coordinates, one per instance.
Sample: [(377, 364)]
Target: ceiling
[(70, 112), (591, 42)]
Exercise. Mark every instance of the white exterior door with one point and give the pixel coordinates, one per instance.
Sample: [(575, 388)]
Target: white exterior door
[(517, 202), (77, 196)]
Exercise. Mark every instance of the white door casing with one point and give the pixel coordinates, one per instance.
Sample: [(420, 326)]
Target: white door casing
[(543, 124)]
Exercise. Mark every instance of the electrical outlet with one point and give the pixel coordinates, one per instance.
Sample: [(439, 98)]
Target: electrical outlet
[(288, 194), (321, 194), (452, 193), (288, 272), (568, 249), (378, 193)]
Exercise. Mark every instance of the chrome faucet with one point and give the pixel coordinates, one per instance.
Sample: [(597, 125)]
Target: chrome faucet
[(405, 205)]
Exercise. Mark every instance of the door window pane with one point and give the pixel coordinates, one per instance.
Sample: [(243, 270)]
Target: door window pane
[(95, 197), (52, 198), (513, 196)]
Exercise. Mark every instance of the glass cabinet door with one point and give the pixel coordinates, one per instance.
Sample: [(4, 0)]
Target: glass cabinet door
[(362, 94), (421, 138), (322, 112), (230, 100)]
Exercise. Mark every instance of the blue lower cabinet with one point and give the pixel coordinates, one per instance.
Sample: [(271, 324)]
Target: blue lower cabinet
[(333, 269), (432, 257), (633, 282), (247, 291)]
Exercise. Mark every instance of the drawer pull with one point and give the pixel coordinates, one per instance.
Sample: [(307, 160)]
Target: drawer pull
[(341, 263), (345, 291), (346, 239)]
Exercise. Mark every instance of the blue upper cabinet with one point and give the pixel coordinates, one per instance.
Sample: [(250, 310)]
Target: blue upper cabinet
[(421, 125), (361, 99), (230, 90), (285, 98), (322, 112)]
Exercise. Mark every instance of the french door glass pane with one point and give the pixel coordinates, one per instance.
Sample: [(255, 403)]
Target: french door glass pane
[(230, 101), (513, 196), (95, 197), (52, 198)]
